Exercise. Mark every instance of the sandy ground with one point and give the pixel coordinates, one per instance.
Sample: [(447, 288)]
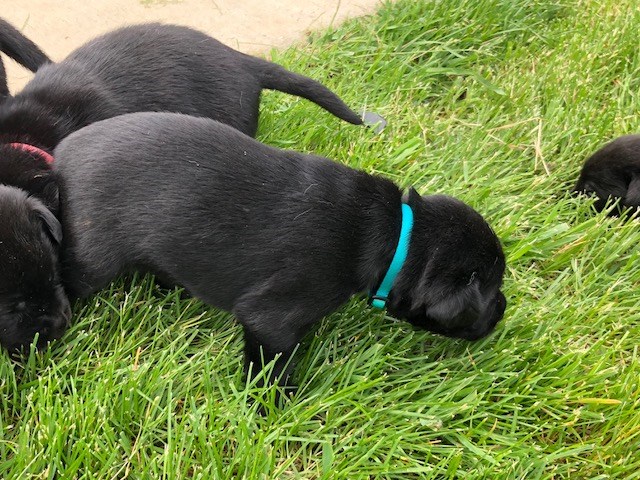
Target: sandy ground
[(251, 26)]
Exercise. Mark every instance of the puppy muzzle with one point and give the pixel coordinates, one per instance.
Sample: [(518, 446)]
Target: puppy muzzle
[(471, 325)]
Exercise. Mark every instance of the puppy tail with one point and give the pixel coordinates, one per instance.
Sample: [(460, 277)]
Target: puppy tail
[(14, 44), (275, 77)]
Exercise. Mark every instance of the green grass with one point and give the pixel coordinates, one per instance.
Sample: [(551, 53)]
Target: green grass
[(496, 102)]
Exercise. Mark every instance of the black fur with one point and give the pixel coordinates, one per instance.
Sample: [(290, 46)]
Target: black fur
[(150, 67), (138, 68), (21, 49), (613, 172), (279, 238)]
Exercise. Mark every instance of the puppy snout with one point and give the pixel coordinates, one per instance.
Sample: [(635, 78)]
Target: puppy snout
[(501, 306), (53, 326), (495, 312), (486, 322)]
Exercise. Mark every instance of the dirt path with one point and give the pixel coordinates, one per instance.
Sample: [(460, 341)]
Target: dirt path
[(252, 26)]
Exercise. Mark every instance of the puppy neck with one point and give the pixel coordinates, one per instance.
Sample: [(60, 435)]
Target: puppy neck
[(379, 232)]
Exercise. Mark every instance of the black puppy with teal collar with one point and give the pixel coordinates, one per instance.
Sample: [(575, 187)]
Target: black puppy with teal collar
[(279, 238)]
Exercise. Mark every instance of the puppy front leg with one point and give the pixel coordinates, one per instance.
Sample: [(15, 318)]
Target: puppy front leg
[(278, 313), (275, 317)]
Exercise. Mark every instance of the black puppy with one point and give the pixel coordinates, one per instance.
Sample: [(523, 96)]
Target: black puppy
[(148, 67), (21, 49), (613, 172), (279, 238), (151, 67), (32, 299)]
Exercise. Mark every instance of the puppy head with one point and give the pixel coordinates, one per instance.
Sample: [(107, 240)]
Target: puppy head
[(32, 299), (613, 172), (450, 283)]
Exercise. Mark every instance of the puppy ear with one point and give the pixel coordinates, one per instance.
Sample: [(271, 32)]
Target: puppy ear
[(50, 222), (411, 196), (632, 198), (50, 196), (442, 300), (453, 304)]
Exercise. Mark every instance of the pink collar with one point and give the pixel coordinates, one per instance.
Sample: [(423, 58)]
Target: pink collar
[(47, 157)]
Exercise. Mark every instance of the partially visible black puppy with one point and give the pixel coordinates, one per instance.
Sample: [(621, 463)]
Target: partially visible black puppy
[(29, 235), (151, 67), (140, 68), (613, 172), (279, 238), (21, 49)]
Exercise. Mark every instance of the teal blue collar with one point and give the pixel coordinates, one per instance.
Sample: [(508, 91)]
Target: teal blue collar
[(380, 297)]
